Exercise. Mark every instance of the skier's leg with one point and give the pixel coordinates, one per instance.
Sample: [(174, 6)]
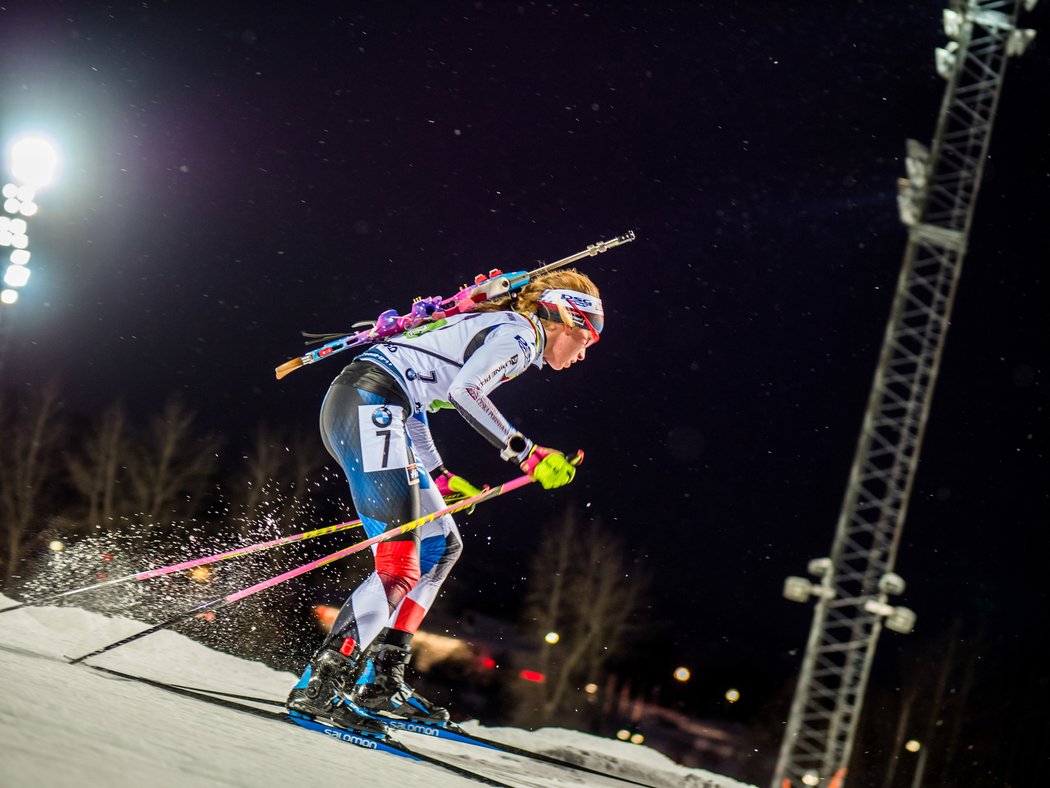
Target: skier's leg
[(382, 686), (365, 433)]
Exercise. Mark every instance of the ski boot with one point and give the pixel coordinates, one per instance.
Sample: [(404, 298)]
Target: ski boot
[(319, 692), (382, 690)]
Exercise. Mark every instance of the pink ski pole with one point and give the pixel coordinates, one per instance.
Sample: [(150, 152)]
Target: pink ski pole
[(229, 599), (210, 559)]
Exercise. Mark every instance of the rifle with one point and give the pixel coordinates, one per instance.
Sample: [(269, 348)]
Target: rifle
[(426, 310)]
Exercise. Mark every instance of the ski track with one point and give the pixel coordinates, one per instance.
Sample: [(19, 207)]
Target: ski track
[(64, 725)]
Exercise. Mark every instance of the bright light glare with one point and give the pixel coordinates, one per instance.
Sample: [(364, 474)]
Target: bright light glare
[(732, 695), (591, 688), (552, 637), (12, 205), (17, 226), (56, 546), (20, 256), (10, 191), (811, 778), (623, 734), (6, 238), (16, 276), (637, 738), (8, 296), (682, 674), (912, 746), (28, 208), (33, 161), (20, 241)]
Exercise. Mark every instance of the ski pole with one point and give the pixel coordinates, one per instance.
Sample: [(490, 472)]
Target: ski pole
[(210, 559), (229, 599)]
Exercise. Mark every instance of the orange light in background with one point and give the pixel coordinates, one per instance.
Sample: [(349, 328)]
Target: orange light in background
[(325, 615), (201, 574), (532, 675)]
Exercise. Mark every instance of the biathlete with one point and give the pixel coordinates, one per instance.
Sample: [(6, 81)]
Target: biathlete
[(374, 423)]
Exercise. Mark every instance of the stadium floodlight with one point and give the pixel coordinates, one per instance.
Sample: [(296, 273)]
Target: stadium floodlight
[(16, 276), (20, 256), (901, 620), (953, 22), (33, 161), (1019, 41), (944, 58), (8, 296)]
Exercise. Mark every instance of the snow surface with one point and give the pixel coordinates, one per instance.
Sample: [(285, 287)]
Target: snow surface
[(66, 725)]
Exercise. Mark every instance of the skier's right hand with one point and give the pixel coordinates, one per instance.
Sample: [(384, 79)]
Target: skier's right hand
[(549, 467)]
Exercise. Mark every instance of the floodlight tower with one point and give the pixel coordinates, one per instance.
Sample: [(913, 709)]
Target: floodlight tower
[(936, 204), (32, 162)]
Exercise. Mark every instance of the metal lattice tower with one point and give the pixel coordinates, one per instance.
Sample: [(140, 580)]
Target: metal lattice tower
[(937, 204)]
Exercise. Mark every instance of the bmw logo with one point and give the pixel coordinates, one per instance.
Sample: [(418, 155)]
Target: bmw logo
[(382, 417)]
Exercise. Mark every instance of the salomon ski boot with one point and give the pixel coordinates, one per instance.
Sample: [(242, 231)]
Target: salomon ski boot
[(319, 692), (382, 689)]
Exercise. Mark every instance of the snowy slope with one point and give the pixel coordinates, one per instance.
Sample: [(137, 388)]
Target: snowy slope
[(66, 725)]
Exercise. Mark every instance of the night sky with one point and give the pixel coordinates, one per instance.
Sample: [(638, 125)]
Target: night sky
[(233, 175)]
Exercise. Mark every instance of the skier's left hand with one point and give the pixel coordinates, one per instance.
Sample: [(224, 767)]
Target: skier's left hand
[(454, 488)]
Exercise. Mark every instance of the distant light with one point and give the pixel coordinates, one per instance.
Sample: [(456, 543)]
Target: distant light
[(16, 276), (56, 546), (325, 615), (33, 161), (732, 695), (682, 674), (623, 734), (912, 746), (637, 738), (8, 296), (811, 778), (532, 675), (591, 689), (201, 574), (20, 256), (552, 637)]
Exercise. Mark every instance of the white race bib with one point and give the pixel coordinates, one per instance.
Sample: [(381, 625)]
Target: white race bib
[(384, 445)]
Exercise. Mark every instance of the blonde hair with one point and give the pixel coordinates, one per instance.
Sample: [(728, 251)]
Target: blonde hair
[(526, 299)]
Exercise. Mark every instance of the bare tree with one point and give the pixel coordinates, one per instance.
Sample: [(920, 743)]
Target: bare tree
[(171, 468), (276, 476), (96, 472), (32, 434), (582, 588)]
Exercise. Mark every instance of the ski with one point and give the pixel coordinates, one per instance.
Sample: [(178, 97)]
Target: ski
[(448, 731), (360, 739)]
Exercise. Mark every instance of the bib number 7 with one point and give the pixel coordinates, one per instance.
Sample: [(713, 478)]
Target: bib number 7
[(384, 444)]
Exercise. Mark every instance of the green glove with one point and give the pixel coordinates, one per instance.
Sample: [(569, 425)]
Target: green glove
[(549, 467), (455, 488)]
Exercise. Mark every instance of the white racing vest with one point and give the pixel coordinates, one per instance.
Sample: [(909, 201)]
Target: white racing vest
[(457, 362)]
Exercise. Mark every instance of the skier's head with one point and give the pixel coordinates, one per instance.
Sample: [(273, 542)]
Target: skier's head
[(570, 308)]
